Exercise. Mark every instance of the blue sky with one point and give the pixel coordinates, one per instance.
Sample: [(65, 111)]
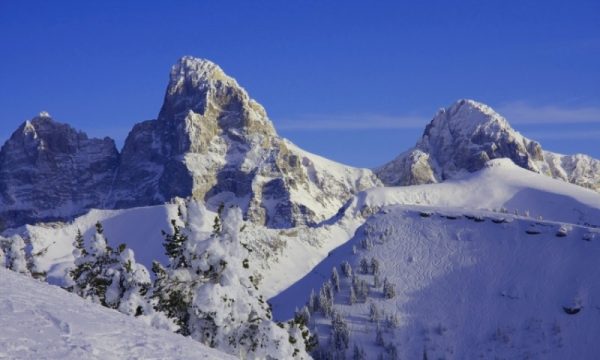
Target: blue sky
[(355, 81)]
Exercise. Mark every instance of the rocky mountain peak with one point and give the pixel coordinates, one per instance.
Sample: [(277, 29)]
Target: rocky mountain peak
[(465, 136), (467, 118), (49, 170), (199, 88), (212, 142)]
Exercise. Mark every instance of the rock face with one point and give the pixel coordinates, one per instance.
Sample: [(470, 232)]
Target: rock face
[(463, 137), (211, 141), (49, 171)]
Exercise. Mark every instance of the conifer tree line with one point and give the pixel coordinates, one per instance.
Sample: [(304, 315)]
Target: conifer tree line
[(208, 290), (350, 288)]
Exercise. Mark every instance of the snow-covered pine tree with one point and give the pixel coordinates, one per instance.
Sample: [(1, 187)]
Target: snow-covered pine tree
[(389, 290), (15, 257), (340, 333), (358, 353), (364, 266), (346, 269), (326, 299), (374, 266), (209, 292), (374, 315), (376, 281), (379, 337), (352, 297), (335, 279), (173, 245), (112, 278), (313, 303), (90, 275), (128, 291)]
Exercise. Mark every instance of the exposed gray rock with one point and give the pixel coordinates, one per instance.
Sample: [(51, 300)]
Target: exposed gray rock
[(463, 137), (50, 171), (213, 142)]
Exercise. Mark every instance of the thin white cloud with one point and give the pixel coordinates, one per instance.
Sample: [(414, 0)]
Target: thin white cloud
[(351, 122), (566, 135), (522, 113)]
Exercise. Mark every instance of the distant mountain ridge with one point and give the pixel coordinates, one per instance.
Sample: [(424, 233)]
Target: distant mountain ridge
[(211, 141), (462, 138)]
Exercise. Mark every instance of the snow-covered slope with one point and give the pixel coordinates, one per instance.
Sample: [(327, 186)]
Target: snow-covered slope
[(468, 285), (463, 137), (41, 321), (485, 266), (499, 186)]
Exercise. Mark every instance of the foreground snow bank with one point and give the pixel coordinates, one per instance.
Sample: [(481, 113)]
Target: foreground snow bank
[(44, 321)]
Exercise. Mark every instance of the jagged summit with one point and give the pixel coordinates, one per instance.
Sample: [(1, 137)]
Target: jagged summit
[(49, 170), (210, 142), (463, 137), (213, 142), (468, 116)]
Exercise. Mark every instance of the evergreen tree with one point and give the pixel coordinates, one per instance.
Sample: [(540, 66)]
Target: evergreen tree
[(16, 258), (379, 337), (91, 274), (340, 333), (374, 266), (376, 281), (325, 300), (352, 298), (173, 245), (358, 353), (217, 227), (208, 290), (313, 304), (346, 269), (373, 313), (389, 290), (364, 266), (111, 278), (335, 280)]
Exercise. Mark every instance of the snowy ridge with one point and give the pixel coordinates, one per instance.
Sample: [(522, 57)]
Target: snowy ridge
[(463, 137), (44, 321), (467, 284)]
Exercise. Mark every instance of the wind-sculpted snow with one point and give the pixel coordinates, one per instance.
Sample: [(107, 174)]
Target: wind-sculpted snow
[(463, 137), (41, 321)]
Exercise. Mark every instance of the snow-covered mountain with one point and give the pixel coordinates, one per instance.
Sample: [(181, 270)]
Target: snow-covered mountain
[(211, 141), (498, 264), (490, 252), (49, 171), (463, 137), (44, 321)]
